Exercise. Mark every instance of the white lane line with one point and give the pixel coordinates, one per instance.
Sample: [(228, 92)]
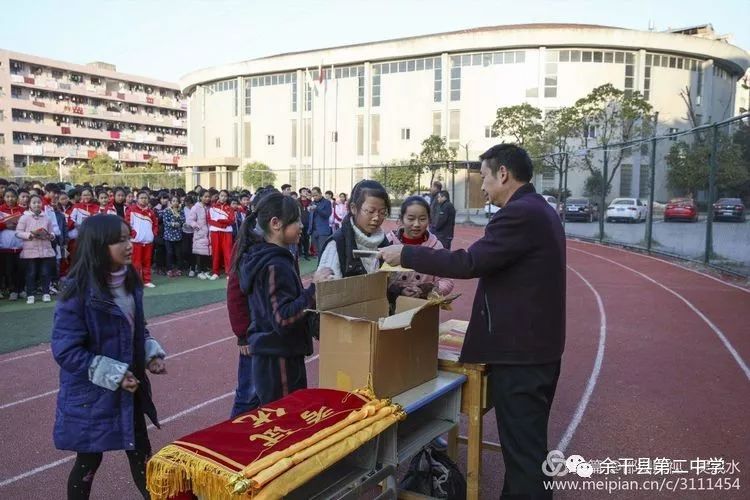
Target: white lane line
[(743, 366), (178, 318), (23, 356), (51, 465), (157, 323), (49, 393), (673, 264), (591, 384)]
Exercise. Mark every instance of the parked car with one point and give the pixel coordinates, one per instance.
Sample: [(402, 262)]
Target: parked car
[(626, 210), (580, 209), (552, 201), (681, 209), (729, 209), (490, 209)]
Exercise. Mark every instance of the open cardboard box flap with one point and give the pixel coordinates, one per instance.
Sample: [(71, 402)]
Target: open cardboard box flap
[(337, 294)]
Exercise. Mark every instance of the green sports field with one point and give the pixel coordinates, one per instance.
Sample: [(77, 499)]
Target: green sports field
[(23, 325)]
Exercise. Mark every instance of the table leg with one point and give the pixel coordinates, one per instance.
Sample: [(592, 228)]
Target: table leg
[(453, 443), (474, 449)]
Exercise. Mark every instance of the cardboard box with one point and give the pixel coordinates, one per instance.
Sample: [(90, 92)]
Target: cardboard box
[(361, 344)]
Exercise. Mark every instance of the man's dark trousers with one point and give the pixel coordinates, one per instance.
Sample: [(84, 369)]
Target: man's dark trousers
[(522, 395)]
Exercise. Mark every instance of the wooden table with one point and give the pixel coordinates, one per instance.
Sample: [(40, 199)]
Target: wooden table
[(475, 402)]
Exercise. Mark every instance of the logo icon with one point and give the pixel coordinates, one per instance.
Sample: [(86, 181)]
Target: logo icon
[(556, 465)]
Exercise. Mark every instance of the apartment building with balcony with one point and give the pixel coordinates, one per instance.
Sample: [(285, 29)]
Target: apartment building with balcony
[(52, 110)]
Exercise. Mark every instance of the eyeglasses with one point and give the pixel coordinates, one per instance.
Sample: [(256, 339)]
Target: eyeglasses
[(382, 213)]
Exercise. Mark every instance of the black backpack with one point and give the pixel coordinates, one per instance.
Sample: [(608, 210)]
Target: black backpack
[(432, 473)]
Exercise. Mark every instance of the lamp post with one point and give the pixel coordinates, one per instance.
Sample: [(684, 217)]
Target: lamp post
[(59, 167)]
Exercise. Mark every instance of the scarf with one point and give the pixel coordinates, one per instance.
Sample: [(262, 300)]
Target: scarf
[(365, 242)]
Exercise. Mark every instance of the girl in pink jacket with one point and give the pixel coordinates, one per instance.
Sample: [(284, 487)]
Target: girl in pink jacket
[(198, 220), (415, 219), (36, 232)]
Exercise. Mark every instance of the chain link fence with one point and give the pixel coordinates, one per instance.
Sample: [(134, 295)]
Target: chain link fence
[(707, 171)]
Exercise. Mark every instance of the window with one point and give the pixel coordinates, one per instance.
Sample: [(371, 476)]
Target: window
[(294, 139), (376, 86), (248, 89), (2, 138), (488, 132), (270, 140), (550, 79), (405, 134), (673, 131), (532, 92), (375, 134), (334, 136), (360, 135), (643, 180), (361, 91), (438, 87), (456, 83), (437, 123), (294, 94), (699, 87), (626, 179), (308, 96), (590, 131), (307, 137), (218, 142), (57, 74), (455, 129), (248, 140)]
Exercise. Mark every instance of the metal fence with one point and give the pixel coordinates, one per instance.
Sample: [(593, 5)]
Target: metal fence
[(707, 168)]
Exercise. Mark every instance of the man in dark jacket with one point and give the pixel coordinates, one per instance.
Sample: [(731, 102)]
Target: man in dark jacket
[(517, 323), (445, 219), (320, 214)]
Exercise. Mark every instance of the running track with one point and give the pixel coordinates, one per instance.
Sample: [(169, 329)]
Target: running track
[(656, 365)]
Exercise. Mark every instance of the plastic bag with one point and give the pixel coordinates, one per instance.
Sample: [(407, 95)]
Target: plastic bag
[(432, 473)]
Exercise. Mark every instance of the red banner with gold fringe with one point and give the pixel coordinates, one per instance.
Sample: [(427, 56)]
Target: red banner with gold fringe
[(252, 450)]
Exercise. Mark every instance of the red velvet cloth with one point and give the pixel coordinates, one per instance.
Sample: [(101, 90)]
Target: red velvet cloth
[(249, 437)]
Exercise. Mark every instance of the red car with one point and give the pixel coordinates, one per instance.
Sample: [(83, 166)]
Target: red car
[(681, 209)]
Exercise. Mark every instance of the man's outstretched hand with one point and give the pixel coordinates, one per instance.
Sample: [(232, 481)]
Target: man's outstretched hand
[(392, 254)]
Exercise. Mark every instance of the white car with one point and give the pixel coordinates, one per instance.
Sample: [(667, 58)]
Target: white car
[(626, 210), (490, 209), (552, 201)]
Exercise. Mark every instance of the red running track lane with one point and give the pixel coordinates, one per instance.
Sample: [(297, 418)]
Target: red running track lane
[(667, 386)]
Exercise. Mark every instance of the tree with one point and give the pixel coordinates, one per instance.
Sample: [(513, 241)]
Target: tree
[(561, 126), (689, 165), (609, 116), (522, 122), (257, 175), (97, 170), (46, 170), (5, 170), (434, 155), (399, 177), (592, 186)]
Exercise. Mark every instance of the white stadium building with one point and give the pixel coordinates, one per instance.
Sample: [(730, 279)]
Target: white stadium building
[(376, 102)]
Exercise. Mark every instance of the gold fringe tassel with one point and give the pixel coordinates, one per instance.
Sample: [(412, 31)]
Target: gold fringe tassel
[(175, 469)]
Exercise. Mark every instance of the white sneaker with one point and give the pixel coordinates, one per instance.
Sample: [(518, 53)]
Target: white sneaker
[(149, 285), (191, 274), (13, 296), (203, 276), (214, 277), (46, 298), (30, 299)]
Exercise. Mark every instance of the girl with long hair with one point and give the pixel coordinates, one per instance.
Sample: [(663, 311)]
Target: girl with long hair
[(272, 364), (100, 341)]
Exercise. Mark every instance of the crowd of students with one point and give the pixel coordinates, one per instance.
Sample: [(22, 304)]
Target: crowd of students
[(174, 233), (104, 241)]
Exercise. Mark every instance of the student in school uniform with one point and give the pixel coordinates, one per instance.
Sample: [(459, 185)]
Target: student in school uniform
[(144, 227), (221, 217)]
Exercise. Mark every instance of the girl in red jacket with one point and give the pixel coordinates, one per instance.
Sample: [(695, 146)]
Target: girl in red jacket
[(10, 245), (144, 226), (220, 220), (65, 206)]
